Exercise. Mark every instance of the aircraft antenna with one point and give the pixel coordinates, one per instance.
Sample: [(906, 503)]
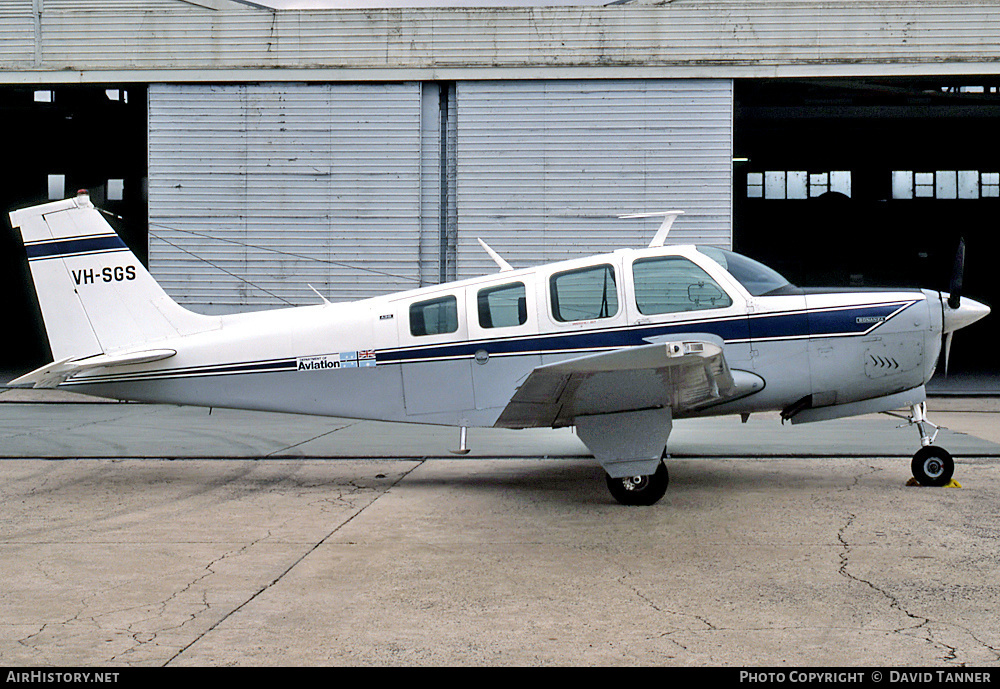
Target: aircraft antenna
[(325, 300), (661, 234), (504, 266)]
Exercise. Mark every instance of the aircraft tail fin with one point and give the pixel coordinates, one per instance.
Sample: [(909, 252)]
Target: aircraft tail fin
[(95, 295)]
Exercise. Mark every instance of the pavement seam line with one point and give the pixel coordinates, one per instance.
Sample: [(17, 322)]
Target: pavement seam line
[(420, 461), (309, 440)]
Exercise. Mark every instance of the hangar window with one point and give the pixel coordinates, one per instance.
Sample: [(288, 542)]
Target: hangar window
[(797, 184), (945, 184), (503, 306), (116, 189), (584, 294), (991, 185), (434, 316), (57, 187), (970, 89), (819, 183), (668, 284)]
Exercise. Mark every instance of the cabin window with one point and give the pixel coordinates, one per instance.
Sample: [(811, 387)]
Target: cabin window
[(434, 316), (503, 306), (756, 278), (668, 284), (584, 294)]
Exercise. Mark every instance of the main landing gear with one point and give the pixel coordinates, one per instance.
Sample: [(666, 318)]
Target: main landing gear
[(631, 447), (640, 490), (931, 465)]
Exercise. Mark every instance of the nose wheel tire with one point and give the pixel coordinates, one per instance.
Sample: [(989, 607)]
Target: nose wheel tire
[(932, 466), (640, 490)]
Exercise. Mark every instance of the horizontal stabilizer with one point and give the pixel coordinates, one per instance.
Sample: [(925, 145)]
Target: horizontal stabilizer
[(52, 375)]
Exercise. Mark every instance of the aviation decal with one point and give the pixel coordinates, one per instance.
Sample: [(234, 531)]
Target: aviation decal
[(324, 362)]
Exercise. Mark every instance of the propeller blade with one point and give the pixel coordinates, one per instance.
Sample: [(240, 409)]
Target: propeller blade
[(957, 276), (947, 352)]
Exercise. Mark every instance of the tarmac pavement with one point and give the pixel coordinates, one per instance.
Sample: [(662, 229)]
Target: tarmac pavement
[(153, 535)]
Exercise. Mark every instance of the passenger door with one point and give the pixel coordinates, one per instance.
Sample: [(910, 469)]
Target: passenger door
[(671, 295), (437, 374)]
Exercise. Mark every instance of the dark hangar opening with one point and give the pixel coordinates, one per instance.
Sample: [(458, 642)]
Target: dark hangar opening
[(871, 182), (58, 139)]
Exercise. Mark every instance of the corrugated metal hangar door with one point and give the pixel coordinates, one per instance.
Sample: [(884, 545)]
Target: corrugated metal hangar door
[(257, 191), (545, 167)]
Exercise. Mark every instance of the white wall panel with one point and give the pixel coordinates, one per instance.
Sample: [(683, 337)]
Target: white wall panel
[(284, 185), (545, 167)]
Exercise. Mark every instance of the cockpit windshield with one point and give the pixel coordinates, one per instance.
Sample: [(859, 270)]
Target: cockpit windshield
[(756, 278)]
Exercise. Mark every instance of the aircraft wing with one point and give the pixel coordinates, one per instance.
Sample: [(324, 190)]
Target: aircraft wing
[(682, 374), (52, 375)]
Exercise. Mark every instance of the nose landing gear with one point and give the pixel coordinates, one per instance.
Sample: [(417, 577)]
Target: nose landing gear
[(931, 465)]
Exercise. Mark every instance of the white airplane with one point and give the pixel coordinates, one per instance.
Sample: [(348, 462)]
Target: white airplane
[(617, 345)]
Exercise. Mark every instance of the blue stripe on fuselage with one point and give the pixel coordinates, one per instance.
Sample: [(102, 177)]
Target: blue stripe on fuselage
[(826, 322), (854, 321), (729, 329), (830, 322)]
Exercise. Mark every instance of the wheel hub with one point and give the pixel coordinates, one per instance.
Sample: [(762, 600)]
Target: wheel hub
[(634, 483), (933, 467)]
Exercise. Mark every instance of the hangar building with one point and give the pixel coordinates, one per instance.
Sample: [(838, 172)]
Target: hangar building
[(249, 152)]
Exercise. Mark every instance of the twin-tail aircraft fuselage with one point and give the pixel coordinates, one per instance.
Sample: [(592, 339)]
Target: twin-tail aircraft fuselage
[(617, 345)]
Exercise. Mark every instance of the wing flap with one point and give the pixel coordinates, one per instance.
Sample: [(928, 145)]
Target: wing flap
[(681, 374)]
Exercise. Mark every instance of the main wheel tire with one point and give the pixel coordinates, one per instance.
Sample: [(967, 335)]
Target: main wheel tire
[(932, 466), (640, 490)]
